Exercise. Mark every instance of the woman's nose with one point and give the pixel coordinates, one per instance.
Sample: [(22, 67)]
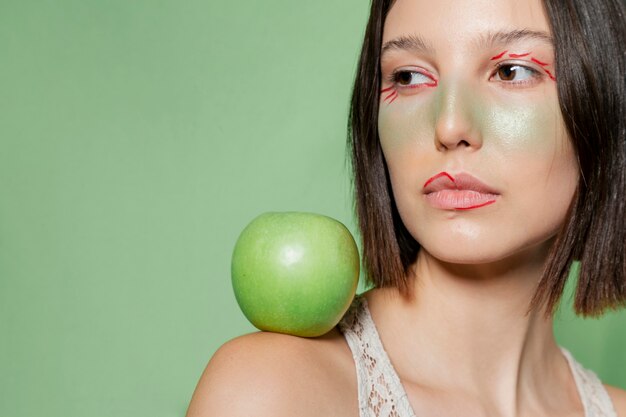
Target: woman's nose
[(455, 122)]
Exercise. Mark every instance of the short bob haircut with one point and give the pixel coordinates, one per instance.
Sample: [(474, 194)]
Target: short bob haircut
[(590, 39)]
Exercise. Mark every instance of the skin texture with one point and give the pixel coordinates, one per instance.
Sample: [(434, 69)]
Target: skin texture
[(462, 343), (509, 134), (477, 269)]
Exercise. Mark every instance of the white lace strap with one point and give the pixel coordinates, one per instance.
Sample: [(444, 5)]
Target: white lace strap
[(351, 329), (380, 391), (595, 398)]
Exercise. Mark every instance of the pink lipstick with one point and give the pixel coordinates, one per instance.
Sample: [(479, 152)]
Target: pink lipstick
[(460, 192)]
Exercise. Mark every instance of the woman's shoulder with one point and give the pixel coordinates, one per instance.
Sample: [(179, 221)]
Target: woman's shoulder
[(618, 397), (273, 374)]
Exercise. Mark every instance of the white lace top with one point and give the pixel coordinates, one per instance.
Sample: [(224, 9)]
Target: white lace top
[(381, 393)]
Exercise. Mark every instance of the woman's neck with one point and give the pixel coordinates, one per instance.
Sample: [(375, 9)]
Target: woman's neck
[(465, 328)]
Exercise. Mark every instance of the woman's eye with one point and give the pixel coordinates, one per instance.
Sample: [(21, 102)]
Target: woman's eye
[(513, 72), (411, 79)]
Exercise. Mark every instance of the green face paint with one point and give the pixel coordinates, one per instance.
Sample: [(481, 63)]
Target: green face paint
[(452, 114), (506, 123)]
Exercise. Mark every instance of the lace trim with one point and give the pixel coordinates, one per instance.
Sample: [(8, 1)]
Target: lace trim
[(380, 390), (595, 398)]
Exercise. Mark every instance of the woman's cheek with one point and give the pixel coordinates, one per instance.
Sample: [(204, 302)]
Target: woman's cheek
[(528, 129), (404, 127), (541, 171)]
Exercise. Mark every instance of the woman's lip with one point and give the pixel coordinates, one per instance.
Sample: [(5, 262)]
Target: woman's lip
[(460, 199), (462, 191), (459, 182)]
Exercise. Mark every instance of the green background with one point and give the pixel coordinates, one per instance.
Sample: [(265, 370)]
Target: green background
[(137, 139)]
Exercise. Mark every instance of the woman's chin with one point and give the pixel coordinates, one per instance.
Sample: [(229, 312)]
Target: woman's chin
[(459, 250), (469, 256)]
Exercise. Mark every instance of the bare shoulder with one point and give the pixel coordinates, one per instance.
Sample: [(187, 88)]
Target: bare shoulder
[(275, 374), (618, 396)]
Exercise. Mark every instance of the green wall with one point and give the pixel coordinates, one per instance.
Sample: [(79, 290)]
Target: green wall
[(137, 139)]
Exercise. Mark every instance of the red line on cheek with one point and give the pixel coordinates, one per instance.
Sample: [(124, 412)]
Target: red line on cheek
[(498, 56), (519, 55), (390, 94), (386, 89), (394, 97), (543, 64), (473, 207), (550, 74)]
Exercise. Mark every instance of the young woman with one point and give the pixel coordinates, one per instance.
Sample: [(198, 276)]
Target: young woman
[(489, 154)]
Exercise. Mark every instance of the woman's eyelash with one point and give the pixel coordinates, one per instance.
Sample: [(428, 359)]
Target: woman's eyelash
[(394, 78), (506, 71), (537, 72), (513, 67)]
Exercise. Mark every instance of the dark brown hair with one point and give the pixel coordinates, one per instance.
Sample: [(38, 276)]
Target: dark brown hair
[(589, 37)]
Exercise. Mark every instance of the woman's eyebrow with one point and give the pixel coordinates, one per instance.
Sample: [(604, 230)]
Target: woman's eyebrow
[(504, 37), (415, 43), (411, 43)]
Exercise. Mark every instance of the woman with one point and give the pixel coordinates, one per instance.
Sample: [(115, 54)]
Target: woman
[(488, 144)]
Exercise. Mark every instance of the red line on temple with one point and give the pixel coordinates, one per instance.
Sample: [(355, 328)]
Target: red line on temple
[(498, 56), (550, 74), (441, 174), (473, 207), (519, 55), (386, 89), (543, 64)]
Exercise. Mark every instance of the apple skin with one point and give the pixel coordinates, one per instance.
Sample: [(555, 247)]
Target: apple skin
[(295, 272)]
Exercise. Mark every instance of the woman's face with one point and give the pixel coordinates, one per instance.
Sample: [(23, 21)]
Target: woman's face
[(480, 163)]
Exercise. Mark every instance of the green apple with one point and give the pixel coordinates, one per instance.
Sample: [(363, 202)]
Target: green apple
[(295, 273)]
